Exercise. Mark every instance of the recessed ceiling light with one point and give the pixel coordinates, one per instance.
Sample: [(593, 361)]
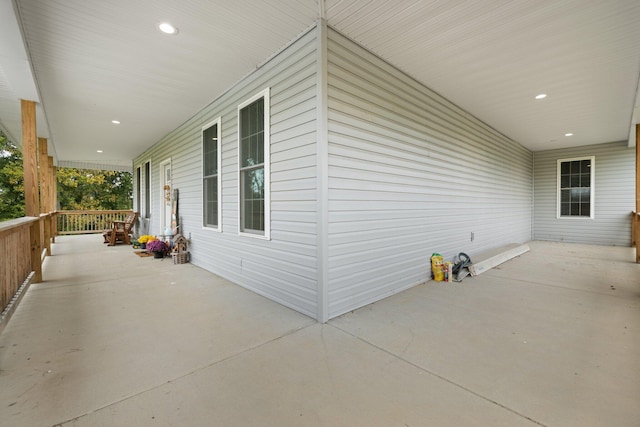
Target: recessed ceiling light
[(99, 151), (541, 96), (115, 122), (568, 134), (167, 28)]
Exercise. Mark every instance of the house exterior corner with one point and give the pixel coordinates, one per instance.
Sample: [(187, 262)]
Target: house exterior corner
[(326, 178)]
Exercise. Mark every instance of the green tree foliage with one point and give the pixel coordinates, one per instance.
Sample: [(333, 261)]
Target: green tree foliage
[(11, 180), (81, 189), (77, 189)]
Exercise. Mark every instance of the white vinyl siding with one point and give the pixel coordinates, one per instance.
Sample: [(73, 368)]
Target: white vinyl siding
[(410, 174), (284, 267), (614, 196), (401, 173)]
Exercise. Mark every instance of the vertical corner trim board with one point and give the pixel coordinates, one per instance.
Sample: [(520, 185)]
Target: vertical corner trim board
[(495, 258)]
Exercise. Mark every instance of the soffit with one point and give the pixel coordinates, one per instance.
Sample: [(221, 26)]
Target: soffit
[(95, 61), (493, 57)]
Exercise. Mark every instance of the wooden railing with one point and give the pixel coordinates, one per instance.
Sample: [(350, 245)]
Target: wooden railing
[(635, 233), (24, 242), (20, 258), (87, 222)]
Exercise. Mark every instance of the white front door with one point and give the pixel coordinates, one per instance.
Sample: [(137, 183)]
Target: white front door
[(165, 196)]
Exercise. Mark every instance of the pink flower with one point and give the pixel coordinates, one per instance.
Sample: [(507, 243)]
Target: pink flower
[(156, 246)]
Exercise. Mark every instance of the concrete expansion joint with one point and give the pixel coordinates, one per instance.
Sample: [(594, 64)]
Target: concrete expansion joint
[(196, 370), (606, 286), (440, 377)]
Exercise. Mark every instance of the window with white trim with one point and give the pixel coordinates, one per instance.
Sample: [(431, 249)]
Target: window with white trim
[(138, 188), (576, 187), (147, 190), (211, 175), (253, 152)]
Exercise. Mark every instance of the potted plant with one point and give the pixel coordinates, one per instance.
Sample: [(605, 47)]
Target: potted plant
[(158, 247), (144, 239)]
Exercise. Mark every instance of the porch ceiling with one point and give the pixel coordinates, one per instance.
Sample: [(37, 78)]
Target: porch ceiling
[(89, 62)]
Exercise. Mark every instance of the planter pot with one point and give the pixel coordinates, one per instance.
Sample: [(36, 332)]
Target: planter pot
[(158, 254), (143, 246)]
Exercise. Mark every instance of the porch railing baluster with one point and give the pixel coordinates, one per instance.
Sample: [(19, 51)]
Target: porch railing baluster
[(87, 222)]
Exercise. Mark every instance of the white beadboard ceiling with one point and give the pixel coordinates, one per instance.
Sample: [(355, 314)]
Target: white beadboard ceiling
[(88, 62)]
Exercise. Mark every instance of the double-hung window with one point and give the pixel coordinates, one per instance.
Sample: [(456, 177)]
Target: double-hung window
[(138, 188), (576, 187), (147, 190), (253, 137), (211, 173)]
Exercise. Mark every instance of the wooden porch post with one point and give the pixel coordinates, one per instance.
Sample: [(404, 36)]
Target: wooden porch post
[(29, 156), (635, 229), (53, 171), (31, 205), (43, 163), (53, 199), (45, 191)]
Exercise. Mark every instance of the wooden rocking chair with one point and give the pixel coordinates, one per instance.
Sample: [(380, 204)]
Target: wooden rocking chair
[(120, 230)]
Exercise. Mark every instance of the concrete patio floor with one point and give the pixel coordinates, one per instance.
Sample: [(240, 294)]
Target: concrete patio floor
[(551, 338)]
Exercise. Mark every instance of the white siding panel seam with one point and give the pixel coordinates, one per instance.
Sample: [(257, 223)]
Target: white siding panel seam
[(283, 269), (410, 174), (411, 91)]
